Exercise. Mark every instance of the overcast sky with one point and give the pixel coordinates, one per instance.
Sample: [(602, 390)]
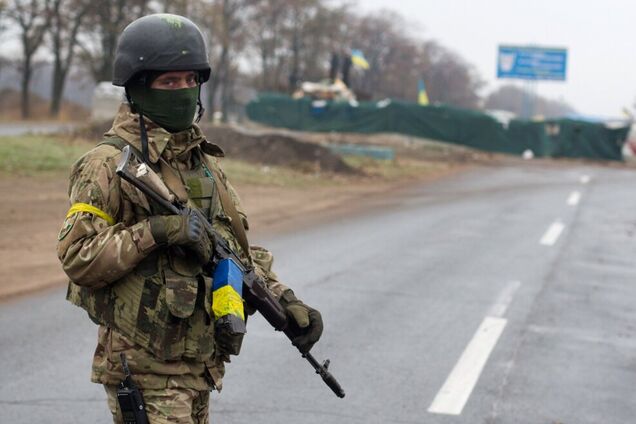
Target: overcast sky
[(600, 37)]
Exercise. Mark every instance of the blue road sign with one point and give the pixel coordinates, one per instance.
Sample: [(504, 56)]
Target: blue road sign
[(532, 63)]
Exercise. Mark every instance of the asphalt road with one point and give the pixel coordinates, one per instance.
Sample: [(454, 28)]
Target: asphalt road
[(496, 296), (22, 128)]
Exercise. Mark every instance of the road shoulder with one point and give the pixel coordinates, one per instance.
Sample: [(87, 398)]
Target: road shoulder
[(34, 207)]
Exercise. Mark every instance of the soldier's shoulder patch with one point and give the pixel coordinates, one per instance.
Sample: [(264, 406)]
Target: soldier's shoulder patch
[(67, 226)]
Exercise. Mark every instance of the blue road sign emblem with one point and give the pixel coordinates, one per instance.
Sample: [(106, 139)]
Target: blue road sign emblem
[(532, 63)]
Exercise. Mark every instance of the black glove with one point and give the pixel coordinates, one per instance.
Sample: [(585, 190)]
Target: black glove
[(183, 230), (305, 321)]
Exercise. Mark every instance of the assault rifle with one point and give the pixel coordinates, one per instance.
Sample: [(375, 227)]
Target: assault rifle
[(255, 292)]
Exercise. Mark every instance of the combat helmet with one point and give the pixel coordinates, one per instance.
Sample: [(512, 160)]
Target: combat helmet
[(160, 42)]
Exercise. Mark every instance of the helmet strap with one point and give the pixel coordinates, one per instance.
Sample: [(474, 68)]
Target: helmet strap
[(201, 110), (144, 138), (136, 108)]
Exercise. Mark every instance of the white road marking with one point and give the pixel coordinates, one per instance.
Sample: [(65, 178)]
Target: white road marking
[(505, 298), (574, 198), (454, 394), (552, 235), (585, 179)]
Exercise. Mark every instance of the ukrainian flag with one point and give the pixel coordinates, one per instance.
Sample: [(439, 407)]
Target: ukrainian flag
[(227, 290), (357, 58), (422, 98)]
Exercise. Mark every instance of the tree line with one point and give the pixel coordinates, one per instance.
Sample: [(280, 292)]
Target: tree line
[(265, 44)]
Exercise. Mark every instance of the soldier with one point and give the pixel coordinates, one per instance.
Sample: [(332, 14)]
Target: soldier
[(126, 260)]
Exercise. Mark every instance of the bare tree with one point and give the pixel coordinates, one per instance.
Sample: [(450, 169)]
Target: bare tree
[(513, 98), (302, 12), (224, 22), (67, 17), (388, 51), (3, 12), (294, 38), (33, 18), (450, 79), (179, 7), (314, 29), (323, 30), (104, 23), (398, 61), (268, 24)]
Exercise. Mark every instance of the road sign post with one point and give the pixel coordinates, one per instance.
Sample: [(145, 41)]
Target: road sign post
[(532, 64)]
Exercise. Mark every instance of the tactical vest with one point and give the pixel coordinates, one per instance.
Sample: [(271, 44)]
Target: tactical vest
[(164, 303)]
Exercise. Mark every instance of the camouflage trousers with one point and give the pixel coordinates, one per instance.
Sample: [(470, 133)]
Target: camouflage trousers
[(167, 406)]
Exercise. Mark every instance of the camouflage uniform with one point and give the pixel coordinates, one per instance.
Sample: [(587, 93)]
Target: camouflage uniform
[(168, 406), (152, 305)]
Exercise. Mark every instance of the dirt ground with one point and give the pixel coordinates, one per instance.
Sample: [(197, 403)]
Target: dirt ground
[(33, 209)]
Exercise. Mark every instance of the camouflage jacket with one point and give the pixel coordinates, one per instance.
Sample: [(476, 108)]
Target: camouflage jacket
[(150, 303)]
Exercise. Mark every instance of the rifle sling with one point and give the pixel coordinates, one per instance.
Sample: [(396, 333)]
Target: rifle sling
[(172, 180), (228, 206), (176, 186)]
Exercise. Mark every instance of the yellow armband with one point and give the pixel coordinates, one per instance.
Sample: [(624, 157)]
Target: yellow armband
[(85, 207)]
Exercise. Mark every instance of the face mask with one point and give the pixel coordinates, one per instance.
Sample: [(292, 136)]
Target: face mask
[(171, 109)]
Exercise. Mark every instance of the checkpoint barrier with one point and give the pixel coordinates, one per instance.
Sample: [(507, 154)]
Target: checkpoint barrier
[(375, 152), (552, 138)]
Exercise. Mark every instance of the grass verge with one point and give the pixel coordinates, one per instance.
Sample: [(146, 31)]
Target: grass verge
[(397, 169), (38, 154), (42, 155), (249, 173)]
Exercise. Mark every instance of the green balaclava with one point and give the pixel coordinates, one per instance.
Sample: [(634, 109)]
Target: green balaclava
[(172, 110)]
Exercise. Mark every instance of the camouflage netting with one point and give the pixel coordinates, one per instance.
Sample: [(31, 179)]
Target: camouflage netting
[(555, 138)]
